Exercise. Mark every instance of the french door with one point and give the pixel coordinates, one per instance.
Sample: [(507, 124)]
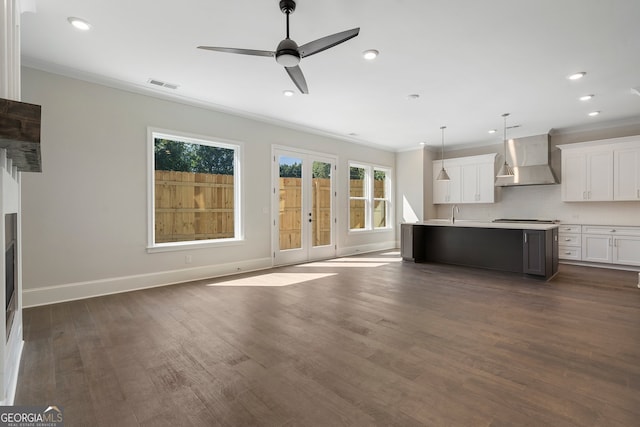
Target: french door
[(303, 206)]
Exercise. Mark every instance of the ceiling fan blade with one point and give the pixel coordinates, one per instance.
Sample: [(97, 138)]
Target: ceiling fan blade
[(327, 42), (240, 51), (298, 78)]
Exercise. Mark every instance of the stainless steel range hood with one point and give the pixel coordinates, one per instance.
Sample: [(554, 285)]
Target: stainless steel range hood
[(529, 158)]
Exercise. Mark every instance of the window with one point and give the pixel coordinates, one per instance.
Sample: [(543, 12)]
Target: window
[(194, 188), (369, 197)]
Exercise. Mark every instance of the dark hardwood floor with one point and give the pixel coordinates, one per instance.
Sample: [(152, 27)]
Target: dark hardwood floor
[(365, 341)]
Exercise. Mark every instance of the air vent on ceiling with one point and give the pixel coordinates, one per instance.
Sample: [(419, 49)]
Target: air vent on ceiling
[(160, 83)]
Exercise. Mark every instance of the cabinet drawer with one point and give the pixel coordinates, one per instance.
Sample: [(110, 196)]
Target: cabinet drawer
[(569, 252), (569, 239), (569, 228), (611, 230)]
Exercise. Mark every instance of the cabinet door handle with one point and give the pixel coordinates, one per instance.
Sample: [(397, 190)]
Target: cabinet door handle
[(567, 239), (615, 242), (610, 241), (525, 237), (584, 195), (589, 194), (638, 192), (567, 253)]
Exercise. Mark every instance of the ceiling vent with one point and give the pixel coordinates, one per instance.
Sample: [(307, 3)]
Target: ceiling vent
[(160, 83)]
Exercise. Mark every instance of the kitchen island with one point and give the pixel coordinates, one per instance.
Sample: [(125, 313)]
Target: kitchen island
[(526, 248)]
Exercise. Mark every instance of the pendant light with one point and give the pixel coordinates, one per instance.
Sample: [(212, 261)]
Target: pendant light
[(505, 170), (443, 175)]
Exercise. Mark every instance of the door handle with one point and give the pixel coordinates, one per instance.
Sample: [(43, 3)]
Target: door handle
[(525, 237)]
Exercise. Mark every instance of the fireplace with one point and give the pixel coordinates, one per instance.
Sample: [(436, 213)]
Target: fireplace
[(10, 257)]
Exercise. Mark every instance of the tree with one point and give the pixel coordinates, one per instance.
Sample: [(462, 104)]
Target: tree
[(293, 170), (195, 158), (321, 170)]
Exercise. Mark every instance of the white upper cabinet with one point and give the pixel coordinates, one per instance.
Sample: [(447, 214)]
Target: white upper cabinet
[(478, 183), (626, 180), (587, 175), (446, 191), (472, 180), (599, 171)]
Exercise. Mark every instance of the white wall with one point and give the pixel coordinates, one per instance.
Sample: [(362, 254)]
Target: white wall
[(85, 216), (409, 186)]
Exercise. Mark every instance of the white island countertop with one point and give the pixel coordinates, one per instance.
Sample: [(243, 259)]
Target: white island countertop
[(487, 224)]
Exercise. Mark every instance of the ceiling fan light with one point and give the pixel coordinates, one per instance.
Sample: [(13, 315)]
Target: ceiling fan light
[(287, 53), (287, 59)]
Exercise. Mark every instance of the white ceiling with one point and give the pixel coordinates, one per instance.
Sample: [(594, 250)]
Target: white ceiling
[(469, 60)]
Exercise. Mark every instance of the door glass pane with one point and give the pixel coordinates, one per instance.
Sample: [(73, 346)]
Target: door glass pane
[(356, 198), (290, 211), (321, 205)]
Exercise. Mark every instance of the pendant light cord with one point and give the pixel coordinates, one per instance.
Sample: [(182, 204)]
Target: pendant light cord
[(505, 115), (443, 128)]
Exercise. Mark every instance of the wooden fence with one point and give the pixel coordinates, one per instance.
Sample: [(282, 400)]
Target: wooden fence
[(198, 206), (193, 206)]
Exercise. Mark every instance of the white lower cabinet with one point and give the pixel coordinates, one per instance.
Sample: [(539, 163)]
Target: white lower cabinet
[(626, 250), (597, 248), (570, 242), (611, 244)]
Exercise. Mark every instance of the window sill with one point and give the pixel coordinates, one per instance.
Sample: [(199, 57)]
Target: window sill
[(186, 246), (368, 231)]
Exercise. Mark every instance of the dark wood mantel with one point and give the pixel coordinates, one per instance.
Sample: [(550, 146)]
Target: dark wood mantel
[(20, 134)]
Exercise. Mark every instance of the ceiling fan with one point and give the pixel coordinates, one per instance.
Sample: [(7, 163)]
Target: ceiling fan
[(288, 53)]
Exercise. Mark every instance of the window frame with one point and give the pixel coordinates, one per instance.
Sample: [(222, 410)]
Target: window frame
[(238, 214), (386, 198), (369, 182)]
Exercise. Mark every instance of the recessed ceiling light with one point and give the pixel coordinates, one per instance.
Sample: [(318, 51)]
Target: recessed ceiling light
[(79, 23), (577, 76), (287, 92), (422, 143), (493, 130), (413, 97), (594, 113), (370, 54), (585, 97)]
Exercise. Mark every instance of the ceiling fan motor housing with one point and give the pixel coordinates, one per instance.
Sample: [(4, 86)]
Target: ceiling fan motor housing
[(287, 6), (287, 53)]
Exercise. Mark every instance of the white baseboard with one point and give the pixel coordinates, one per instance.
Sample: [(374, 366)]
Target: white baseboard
[(371, 247), (601, 265), (114, 285)]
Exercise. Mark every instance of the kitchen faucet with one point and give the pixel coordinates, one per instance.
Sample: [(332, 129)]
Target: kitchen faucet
[(454, 209)]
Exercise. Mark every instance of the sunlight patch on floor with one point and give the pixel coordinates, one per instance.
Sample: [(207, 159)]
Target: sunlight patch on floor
[(274, 279), (396, 253), (363, 259), (343, 264)]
